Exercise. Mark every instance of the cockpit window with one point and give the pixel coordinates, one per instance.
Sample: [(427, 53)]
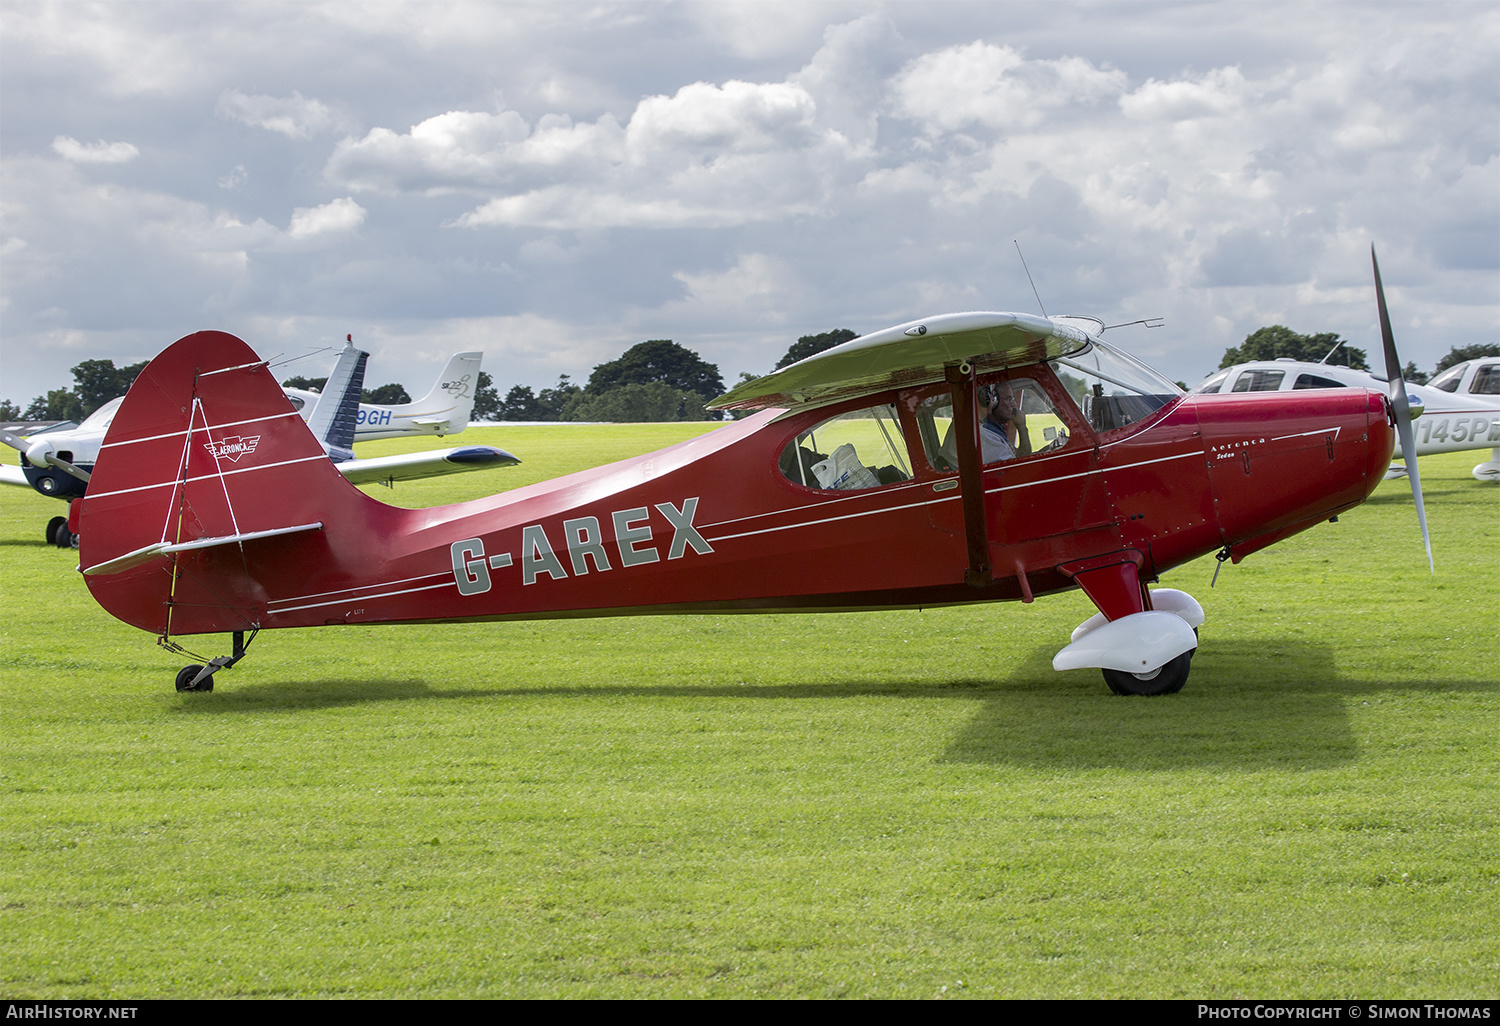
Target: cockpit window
[(860, 449), (1315, 381), (1213, 384), (1487, 380), (1112, 389), (103, 417), (1016, 420), (1258, 381), (1449, 379)]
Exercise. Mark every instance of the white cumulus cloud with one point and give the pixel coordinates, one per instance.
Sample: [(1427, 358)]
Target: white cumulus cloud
[(293, 116), (706, 156), (340, 215), (101, 152), (997, 87)]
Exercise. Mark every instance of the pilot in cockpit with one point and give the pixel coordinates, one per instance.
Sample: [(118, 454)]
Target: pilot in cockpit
[(1002, 433)]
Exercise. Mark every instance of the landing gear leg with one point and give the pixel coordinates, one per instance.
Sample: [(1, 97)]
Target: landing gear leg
[(200, 677)]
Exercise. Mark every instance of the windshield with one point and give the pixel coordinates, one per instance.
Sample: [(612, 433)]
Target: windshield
[(1111, 389), (1449, 379), (101, 418)]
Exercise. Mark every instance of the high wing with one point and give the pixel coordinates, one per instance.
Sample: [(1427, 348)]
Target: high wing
[(906, 355), (408, 466)]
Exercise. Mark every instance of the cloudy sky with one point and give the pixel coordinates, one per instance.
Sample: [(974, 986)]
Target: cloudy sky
[(552, 183)]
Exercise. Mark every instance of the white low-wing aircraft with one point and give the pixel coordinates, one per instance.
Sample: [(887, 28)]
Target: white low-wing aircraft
[(1460, 409), (444, 410), (58, 463)]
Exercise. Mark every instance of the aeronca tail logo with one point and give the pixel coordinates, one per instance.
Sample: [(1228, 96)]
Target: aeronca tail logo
[(233, 447)]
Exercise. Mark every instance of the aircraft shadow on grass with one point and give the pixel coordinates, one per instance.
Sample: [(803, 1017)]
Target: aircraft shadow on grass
[(1264, 712)]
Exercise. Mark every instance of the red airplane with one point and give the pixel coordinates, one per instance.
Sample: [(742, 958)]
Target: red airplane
[(964, 458)]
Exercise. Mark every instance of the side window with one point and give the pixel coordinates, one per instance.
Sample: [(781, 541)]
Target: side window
[(1017, 419), (1259, 381), (1487, 380), (859, 449), (1315, 381)]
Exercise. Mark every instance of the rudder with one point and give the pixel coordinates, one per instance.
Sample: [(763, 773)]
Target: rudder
[(205, 447)]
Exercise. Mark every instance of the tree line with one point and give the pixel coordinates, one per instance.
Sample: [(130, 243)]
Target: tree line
[(660, 380), (652, 381), (96, 382), (1277, 341)]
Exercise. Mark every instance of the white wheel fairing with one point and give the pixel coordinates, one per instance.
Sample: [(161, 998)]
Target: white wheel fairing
[(1139, 643), (1166, 600)]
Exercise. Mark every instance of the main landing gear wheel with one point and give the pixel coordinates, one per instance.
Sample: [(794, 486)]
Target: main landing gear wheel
[(1166, 680), (52, 526), (185, 679), (64, 538)]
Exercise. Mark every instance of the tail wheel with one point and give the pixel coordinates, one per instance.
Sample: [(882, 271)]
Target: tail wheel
[(185, 679), (1166, 680)]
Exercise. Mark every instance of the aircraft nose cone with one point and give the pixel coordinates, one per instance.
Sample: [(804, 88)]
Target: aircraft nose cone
[(37, 453)]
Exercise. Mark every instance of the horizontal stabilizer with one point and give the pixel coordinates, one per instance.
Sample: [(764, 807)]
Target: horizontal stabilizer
[(408, 466), (149, 552)]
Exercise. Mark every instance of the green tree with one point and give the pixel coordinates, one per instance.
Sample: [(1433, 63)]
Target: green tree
[(1276, 341), (659, 360), (553, 402), (487, 404), (520, 404), (811, 345), (96, 382), (652, 402), (305, 384), (386, 395), (1412, 375), (1458, 355), (9, 410), (58, 404), (745, 377)]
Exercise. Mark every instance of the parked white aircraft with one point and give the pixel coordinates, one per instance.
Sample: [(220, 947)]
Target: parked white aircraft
[(58, 463), (1461, 407), (444, 410)]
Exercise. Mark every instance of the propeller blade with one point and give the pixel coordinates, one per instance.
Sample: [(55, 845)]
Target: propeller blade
[(1401, 406), (14, 441), (68, 468)]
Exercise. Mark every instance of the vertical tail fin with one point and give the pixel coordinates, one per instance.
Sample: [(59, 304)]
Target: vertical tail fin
[(444, 410), (333, 419), (208, 490)]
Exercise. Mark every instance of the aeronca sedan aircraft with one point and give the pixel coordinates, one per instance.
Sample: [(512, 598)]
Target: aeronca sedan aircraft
[(963, 458)]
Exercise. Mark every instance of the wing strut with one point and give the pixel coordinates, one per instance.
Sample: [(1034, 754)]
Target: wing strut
[(970, 472)]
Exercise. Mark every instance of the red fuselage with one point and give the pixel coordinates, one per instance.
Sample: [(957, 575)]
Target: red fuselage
[(712, 524)]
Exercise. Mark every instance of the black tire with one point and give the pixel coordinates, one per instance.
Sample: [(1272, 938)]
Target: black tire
[(185, 679), (64, 538), (52, 526), (1166, 681)]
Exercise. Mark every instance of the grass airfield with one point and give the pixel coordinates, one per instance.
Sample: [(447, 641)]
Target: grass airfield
[(900, 804)]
